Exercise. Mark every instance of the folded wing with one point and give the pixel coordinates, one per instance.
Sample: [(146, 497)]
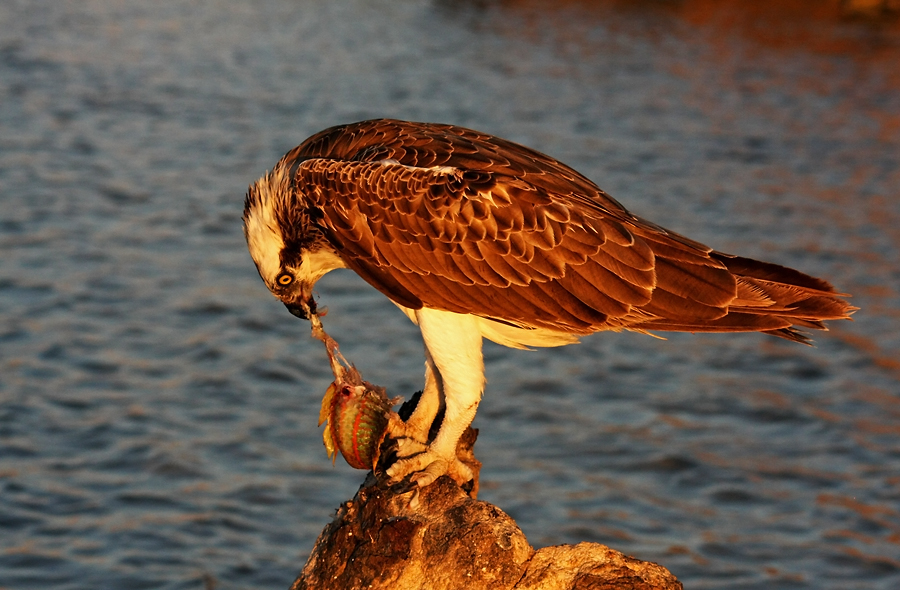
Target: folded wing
[(452, 219)]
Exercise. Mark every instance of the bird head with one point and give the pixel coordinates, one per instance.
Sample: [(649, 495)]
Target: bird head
[(290, 250)]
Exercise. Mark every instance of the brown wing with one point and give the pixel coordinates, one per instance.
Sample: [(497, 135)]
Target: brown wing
[(452, 219)]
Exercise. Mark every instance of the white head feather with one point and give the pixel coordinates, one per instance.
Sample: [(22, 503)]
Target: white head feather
[(264, 238)]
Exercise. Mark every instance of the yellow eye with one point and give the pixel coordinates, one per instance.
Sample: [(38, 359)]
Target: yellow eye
[(285, 279)]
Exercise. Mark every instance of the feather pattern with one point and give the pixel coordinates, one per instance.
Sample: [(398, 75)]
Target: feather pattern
[(449, 218)]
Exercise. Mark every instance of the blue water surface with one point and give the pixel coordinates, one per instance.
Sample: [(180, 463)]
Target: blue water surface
[(158, 408)]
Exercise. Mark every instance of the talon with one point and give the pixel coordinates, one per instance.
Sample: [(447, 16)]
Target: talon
[(427, 476), (425, 467)]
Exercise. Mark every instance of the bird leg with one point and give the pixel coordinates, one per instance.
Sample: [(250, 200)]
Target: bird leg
[(455, 372)]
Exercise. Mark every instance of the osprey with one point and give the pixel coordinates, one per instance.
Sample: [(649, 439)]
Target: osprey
[(474, 237)]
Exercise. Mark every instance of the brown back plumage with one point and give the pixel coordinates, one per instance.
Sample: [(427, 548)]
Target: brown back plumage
[(450, 218)]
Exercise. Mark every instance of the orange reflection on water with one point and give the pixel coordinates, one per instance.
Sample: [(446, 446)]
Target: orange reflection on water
[(825, 26)]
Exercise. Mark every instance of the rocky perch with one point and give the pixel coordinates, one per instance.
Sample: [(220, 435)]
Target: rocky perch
[(440, 537)]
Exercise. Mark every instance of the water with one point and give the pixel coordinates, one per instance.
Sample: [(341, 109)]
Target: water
[(158, 407)]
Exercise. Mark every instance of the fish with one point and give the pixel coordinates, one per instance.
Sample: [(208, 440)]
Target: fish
[(356, 418), (356, 413)]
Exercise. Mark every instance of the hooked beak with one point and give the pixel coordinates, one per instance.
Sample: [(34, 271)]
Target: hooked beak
[(297, 311), (303, 308)]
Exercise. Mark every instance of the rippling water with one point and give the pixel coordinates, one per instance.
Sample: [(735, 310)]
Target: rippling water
[(158, 407)]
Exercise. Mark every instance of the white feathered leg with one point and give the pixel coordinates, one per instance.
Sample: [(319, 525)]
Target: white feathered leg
[(453, 343)]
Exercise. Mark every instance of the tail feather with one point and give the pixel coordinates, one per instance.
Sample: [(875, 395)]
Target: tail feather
[(769, 298), (774, 273), (792, 335)]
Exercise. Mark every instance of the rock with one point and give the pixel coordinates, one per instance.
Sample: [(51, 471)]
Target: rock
[(441, 538), (436, 537), (591, 566)]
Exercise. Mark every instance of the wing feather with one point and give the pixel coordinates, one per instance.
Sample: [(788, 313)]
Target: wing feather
[(709, 285), (607, 301), (446, 217), (682, 309)]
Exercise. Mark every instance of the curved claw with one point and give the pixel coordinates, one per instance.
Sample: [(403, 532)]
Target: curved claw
[(429, 474)]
